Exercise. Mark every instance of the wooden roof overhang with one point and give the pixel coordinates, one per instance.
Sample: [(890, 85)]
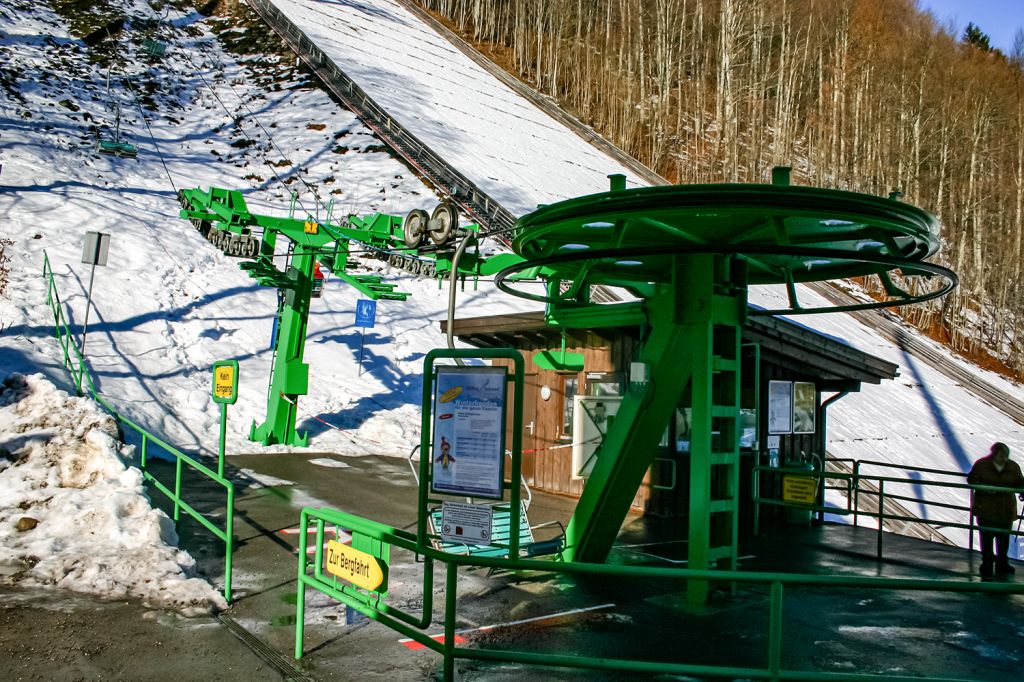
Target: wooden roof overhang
[(834, 365)]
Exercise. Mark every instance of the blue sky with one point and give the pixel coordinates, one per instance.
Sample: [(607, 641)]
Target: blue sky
[(1000, 19)]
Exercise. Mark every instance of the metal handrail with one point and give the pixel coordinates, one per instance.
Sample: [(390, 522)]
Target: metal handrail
[(374, 606), (76, 365), (853, 485)]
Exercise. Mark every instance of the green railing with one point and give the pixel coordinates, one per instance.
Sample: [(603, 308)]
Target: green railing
[(852, 490), (374, 604), (75, 364)]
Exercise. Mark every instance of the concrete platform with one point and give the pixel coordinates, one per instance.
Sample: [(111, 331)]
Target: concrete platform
[(902, 634)]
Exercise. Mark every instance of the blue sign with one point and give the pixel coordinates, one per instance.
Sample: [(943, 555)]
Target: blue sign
[(366, 313)]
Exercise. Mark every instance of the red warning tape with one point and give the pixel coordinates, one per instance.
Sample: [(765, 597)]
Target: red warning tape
[(413, 645)]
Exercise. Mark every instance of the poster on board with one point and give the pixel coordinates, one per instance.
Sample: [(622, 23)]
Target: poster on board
[(805, 402), (468, 456), (780, 407), (592, 415)]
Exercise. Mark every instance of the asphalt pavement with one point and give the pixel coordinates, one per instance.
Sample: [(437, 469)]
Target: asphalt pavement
[(853, 630)]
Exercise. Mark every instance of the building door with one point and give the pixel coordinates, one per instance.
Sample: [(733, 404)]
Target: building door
[(530, 422), (529, 441)]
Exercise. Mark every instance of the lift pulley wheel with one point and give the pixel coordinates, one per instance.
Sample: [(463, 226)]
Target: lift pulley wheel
[(443, 222), (414, 227)]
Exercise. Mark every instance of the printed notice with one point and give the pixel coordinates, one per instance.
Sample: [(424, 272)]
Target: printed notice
[(468, 456), (469, 523), (780, 407), (799, 489)]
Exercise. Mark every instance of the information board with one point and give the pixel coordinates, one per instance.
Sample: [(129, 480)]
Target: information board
[(780, 407), (468, 523), (799, 489), (468, 455), (95, 248), (592, 415), (805, 403), (366, 313)]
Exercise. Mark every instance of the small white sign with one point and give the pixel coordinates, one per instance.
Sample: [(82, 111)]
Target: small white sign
[(95, 248), (468, 523)]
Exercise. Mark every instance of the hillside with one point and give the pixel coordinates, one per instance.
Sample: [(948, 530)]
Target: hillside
[(872, 97)]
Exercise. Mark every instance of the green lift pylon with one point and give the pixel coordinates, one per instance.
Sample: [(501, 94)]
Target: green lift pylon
[(222, 217), (688, 254)]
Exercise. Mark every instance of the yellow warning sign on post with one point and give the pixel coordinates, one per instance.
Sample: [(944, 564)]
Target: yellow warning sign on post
[(799, 489), (225, 381), (359, 568)]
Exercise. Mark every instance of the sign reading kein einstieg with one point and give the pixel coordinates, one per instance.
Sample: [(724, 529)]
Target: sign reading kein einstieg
[(468, 456)]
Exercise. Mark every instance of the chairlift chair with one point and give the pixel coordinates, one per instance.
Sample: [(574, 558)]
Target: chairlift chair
[(154, 48), (501, 529), (116, 147)]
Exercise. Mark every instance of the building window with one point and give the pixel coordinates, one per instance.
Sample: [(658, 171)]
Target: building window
[(605, 383), (570, 386)]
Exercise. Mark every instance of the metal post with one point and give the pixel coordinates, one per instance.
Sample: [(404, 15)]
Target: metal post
[(88, 303), (300, 600), (223, 436), (856, 492), (229, 530), (881, 514), (362, 334), (451, 596), (775, 631), (177, 491), (755, 485)]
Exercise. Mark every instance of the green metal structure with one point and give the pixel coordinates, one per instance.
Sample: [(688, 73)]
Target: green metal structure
[(223, 218), (685, 255), (688, 254)]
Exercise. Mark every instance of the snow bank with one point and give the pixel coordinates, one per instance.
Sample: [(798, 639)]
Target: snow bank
[(73, 513)]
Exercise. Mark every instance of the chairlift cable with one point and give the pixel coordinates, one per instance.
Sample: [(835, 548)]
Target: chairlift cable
[(248, 137), (152, 137)]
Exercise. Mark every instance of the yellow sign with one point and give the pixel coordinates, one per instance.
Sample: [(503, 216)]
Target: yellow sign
[(311, 227), (359, 568), (224, 381), (451, 394), (799, 489)]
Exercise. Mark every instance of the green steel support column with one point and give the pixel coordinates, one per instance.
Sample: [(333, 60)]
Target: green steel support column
[(679, 344), (291, 374), (716, 381), (699, 537)]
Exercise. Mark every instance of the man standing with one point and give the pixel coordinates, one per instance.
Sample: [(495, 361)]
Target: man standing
[(995, 510)]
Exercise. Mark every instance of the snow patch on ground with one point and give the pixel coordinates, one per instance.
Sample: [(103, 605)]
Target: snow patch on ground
[(328, 462), (73, 514)]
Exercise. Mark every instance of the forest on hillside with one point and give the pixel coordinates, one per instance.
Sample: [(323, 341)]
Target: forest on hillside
[(865, 95)]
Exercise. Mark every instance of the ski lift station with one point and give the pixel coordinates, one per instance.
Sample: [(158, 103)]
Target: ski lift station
[(650, 439)]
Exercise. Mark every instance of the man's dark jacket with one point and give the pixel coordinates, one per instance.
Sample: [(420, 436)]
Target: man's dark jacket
[(996, 507)]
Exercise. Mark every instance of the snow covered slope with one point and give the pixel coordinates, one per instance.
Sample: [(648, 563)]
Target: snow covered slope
[(168, 304)]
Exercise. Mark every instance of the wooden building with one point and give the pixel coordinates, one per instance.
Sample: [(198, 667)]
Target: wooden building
[(780, 357)]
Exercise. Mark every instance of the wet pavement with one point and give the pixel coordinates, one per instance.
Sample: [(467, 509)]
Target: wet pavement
[(836, 630)]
